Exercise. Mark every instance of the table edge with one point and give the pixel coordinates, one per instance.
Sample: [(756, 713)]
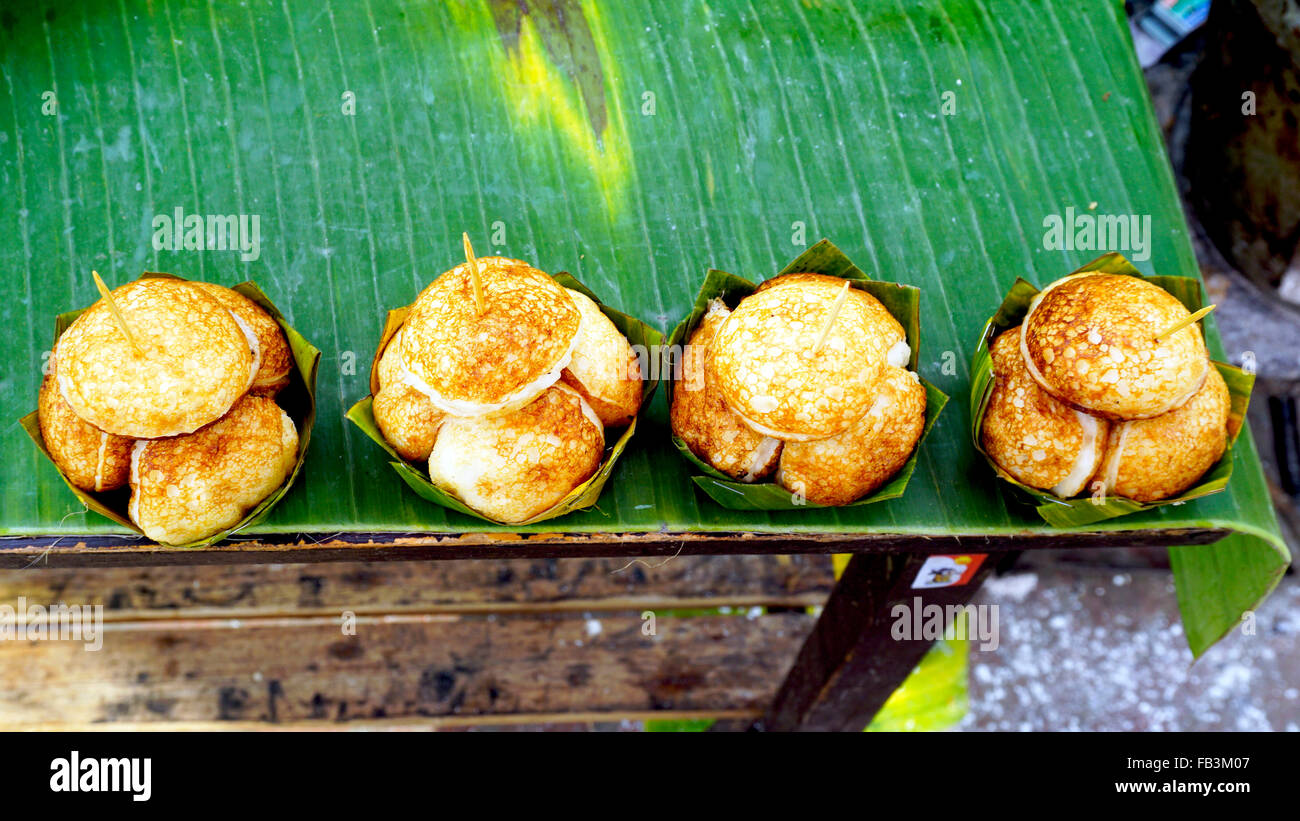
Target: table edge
[(108, 551)]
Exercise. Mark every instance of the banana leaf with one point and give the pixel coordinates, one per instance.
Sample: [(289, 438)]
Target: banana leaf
[(297, 399), (935, 695), (903, 303), (646, 341), (1087, 510)]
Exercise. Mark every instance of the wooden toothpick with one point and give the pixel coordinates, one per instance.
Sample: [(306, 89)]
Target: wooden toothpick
[(473, 272), (1196, 317), (830, 320), (117, 312)]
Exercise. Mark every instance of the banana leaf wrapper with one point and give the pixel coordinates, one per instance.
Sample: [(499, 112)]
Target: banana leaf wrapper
[(1086, 510), (902, 301), (298, 400), (646, 341)]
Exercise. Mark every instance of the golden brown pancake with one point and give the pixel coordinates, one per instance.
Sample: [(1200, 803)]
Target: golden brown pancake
[(196, 363), (1152, 459), (187, 488), (1036, 438), (276, 359), (511, 467), (390, 361), (91, 459), (471, 364), (1089, 340), (899, 353), (604, 369), (796, 279), (408, 420), (703, 421), (846, 467), (763, 360)]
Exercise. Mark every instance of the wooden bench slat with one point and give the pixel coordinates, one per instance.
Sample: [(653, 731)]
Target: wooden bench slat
[(225, 591), (306, 670)]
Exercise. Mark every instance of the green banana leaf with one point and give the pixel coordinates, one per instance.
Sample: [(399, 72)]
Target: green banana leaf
[(633, 143), (297, 399), (679, 725), (644, 339), (1086, 510), (934, 696), (1217, 584), (903, 303)]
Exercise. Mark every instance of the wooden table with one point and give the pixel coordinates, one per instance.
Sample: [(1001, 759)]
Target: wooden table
[(849, 663)]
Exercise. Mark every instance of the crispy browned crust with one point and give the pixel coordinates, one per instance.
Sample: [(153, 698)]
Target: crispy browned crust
[(879, 313), (1092, 340), (273, 373), (764, 366), (618, 410), (703, 421), (195, 366), (1163, 456), (189, 487), (1031, 435), (91, 459), (604, 369), (408, 420), (525, 332), (799, 279), (844, 468), (513, 466), (390, 362)]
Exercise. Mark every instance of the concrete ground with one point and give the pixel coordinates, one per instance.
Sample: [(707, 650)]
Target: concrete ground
[(1102, 648)]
